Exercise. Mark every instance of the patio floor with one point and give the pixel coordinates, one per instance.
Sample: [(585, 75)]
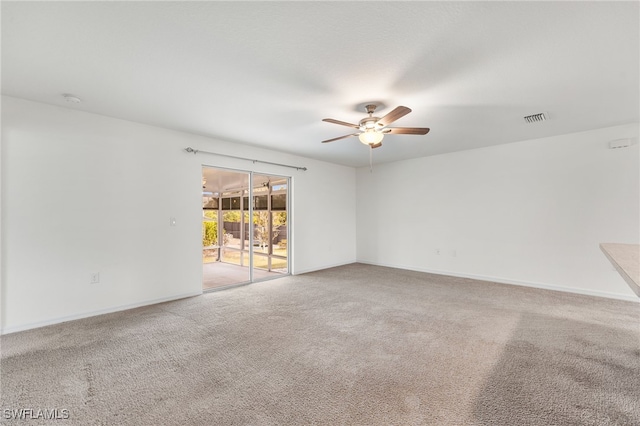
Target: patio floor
[(219, 274)]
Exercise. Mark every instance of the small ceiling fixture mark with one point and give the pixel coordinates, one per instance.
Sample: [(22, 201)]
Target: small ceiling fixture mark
[(535, 118), (71, 99)]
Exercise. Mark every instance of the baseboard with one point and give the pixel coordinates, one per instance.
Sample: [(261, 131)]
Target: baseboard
[(514, 282), (320, 268), (24, 327)]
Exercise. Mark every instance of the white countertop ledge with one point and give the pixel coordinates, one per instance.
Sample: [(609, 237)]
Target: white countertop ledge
[(626, 259)]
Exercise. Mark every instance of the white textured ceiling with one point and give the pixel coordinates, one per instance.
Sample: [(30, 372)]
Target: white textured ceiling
[(266, 73)]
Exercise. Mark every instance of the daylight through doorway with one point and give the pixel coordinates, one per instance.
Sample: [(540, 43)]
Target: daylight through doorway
[(245, 227)]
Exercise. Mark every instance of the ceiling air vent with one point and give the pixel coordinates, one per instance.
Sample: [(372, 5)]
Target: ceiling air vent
[(620, 143), (535, 118)]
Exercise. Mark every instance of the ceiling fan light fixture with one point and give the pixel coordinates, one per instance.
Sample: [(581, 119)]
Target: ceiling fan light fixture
[(370, 137), (372, 129)]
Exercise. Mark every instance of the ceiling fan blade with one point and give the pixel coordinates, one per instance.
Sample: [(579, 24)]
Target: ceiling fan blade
[(397, 113), (340, 137), (378, 145), (407, 130), (342, 123)]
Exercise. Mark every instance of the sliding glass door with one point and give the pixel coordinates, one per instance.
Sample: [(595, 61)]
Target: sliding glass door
[(245, 227), (270, 247)]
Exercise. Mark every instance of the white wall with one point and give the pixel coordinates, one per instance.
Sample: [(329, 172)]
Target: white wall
[(530, 213), (84, 193)]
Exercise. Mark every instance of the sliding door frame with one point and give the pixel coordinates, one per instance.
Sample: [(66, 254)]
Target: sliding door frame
[(270, 219), (251, 225)]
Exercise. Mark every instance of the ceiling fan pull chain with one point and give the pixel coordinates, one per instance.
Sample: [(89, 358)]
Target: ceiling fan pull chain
[(370, 159)]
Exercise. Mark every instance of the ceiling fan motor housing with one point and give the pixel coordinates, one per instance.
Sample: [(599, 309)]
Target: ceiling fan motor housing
[(370, 123)]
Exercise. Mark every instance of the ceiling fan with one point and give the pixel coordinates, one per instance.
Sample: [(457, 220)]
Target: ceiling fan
[(372, 129)]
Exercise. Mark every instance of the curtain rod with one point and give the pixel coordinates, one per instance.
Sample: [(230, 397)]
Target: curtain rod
[(195, 151)]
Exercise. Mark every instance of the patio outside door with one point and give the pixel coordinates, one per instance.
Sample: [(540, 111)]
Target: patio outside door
[(245, 227)]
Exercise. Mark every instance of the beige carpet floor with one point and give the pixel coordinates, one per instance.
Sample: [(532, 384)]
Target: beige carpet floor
[(354, 345)]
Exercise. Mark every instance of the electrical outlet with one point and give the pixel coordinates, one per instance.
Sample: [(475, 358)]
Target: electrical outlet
[(437, 251), (95, 278)]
